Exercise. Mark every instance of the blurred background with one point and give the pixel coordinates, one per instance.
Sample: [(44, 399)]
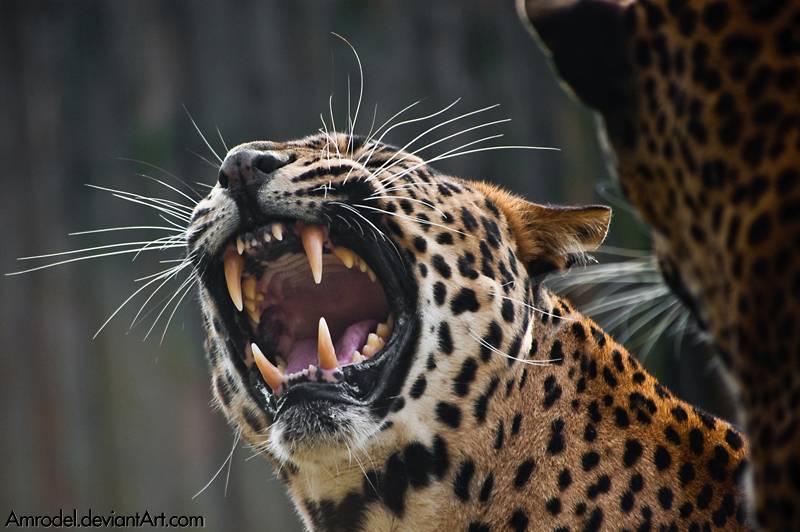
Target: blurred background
[(101, 92)]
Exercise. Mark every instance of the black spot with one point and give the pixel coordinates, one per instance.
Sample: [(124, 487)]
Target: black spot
[(686, 510), (633, 451), (589, 433), (418, 388), (439, 292), (507, 310), (553, 506), (759, 230), (590, 460), (468, 219), (519, 521), (595, 521), (445, 339), (638, 377), (524, 473), (516, 423), (461, 481), (602, 485), (696, 441), (449, 414), (441, 459), (464, 301), (609, 377), (493, 338), (679, 414), (253, 420), (686, 473), (419, 464), (564, 479), (439, 264), (552, 396), (482, 403), (420, 244), (557, 353), (704, 497), (594, 412), (734, 440), (423, 270), (662, 458), (621, 418), (486, 488), (394, 484), (444, 238), (477, 526), (499, 435), (398, 404), (626, 502), (637, 483), (715, 16), (665, 498), (716, 466), (556, 443)]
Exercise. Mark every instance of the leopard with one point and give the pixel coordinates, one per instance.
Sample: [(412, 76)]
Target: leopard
[(382, 334), (698, 105)]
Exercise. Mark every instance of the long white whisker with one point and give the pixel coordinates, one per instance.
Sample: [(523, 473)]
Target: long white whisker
[(201, 134), (228, 459), (127, 228)]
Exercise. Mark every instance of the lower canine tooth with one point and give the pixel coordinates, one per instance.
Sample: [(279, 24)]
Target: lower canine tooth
[(312, 237), (325, 351), (272, 375), (233, 266)]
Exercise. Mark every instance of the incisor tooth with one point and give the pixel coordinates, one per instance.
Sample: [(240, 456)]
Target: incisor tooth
[(239, 245), (390, 322), (345, 255), (250, 305), (371, 274), (249, 287), (272, 375), (383, 331), (312, 237), (277, 231), (233, 265), (357, 358), (325, 351), (368, 351)]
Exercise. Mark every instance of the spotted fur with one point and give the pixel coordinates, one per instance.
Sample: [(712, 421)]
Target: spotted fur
[(498, 406), (701, 106)]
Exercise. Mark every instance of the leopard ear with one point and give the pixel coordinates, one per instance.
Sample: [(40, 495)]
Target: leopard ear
[(550, 238)]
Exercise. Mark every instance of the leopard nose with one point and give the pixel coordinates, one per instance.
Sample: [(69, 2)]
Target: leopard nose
[(245, 166)]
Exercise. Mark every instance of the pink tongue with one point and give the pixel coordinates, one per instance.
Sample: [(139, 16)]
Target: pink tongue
[(304, 352)]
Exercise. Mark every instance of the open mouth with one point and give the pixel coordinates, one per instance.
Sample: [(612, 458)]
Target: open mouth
[(309, 308)]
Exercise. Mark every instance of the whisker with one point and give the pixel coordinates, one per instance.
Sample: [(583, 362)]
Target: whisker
[(493, 349), (201, 135)]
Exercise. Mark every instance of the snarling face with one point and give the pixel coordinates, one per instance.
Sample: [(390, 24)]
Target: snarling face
[(339, 277)]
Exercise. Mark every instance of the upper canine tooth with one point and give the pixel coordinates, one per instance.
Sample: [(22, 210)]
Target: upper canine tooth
[(233, 266), (272, 375), (345, 255), (312, 238), (325, 351), (277, 231)]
